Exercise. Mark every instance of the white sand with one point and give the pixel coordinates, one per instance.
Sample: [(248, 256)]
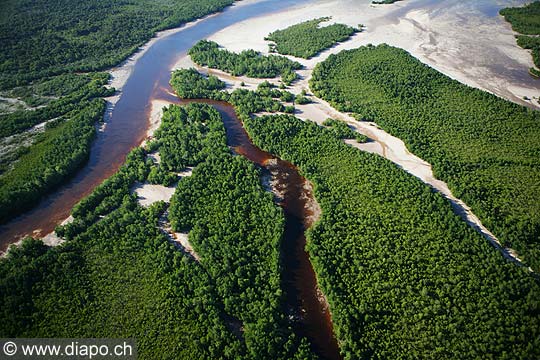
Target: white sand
[(394, 149), (474, 49), (156, 157), (121, 73), (156, 112), (51, 239), (471, 49), (182, 239), (147, 194)]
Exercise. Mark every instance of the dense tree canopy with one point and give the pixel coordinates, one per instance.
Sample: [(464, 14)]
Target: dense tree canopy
[(190, 84), (119, 276), (487, 149), (49, 50), (524, 20), (116, 277), (58, 153), (343, 131), (43, 38), (308, 38), (90, 87), (406, 278), (248, 62)]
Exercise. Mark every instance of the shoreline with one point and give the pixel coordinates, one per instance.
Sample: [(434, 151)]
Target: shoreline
[(429, 35), (120, 74)]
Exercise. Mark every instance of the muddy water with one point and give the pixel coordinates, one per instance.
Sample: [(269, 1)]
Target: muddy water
[(128, 121), (305, 303), (127, 128)]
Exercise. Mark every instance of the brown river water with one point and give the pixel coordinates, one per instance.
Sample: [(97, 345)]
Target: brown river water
[(128, 122), (305, 304), (126, 128)]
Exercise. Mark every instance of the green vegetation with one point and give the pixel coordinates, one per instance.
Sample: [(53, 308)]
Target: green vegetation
[(119, 276), (487, 149), (66, 36), (533, 44), (307, 39), (116, 277), (241, 257), (302, 98), (57, 154), (405, 277), (190, 84), (87, 88), (46, 74), (248, 62), (526, 20), (343, 131)]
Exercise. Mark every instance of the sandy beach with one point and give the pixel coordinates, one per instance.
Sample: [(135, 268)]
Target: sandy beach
[(120, 74), (477, 50)]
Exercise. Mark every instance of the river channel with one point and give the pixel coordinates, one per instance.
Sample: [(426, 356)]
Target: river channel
[(304, 302), (128, 122)]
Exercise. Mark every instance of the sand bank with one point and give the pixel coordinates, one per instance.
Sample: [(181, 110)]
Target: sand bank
[(154, 120), (470, 49), (121, 73), (51, 239), (394, 149), (477, 49)]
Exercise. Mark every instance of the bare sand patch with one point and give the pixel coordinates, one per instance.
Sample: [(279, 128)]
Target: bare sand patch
[(154, 120), (394, 149), (147, 194), (183, 240), (51, 239), (121, 73), (180, 240), (476, 49)]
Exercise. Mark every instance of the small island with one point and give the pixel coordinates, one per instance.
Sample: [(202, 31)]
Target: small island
[(307, 39)]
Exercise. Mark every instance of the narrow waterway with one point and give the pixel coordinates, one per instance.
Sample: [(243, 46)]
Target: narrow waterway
[(305, 304), (128, 122)]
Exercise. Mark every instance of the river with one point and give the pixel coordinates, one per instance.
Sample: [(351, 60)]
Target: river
[(304, 302), (126, 128), (128, 122)]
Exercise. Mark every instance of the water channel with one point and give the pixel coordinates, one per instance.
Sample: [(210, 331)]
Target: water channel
[(305, 303), (128, 122)]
